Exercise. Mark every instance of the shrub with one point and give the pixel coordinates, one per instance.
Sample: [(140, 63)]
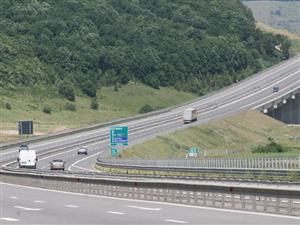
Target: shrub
[(70, 107), (94, 104), (146, 108), (270, 147), (89, 88), (47, 109), (7, 106)]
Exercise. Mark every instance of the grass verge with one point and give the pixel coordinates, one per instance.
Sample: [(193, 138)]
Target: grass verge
[(28, 104), (290, 177), (235, 136)]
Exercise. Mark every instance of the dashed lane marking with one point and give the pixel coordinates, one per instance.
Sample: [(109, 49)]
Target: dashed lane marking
[(176, 221), (13, 197), (38, 201), (27, 208), (143, 208), (113, 212), (9, 219), (72, 206)]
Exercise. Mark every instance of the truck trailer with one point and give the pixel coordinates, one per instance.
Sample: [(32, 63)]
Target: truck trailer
[(189, 115)]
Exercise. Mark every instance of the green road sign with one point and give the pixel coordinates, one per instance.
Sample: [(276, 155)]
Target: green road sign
[(194, 150), (119, 136), (114, 152)]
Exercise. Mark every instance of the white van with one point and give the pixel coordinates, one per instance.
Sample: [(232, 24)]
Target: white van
[(27, 159)]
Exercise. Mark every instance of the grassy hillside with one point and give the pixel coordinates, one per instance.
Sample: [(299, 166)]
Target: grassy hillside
[(240, 133), (294, 38), (277, 14), (28, 104)]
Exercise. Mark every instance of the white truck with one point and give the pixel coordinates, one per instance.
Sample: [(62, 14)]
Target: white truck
[(27, 159), (189, 115)]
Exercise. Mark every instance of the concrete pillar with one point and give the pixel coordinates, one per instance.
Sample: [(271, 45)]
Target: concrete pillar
[(289, 112)]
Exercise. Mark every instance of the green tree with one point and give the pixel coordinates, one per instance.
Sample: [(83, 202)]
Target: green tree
[(66, 89)]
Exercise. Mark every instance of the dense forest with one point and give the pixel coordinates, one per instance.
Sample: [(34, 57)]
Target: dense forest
[(81, 45)]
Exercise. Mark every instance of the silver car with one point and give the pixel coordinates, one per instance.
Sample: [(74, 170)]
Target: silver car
[(82, 151), (57, 164)]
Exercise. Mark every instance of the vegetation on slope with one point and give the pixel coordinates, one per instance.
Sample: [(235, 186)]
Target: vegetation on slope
[(29, 103), (81, 45), (280, 14), (294, 38), (238, 135)]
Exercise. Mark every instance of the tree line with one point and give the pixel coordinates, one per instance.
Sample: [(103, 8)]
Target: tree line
[(82, 45)]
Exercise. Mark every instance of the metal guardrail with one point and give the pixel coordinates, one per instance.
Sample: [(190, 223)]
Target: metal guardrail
[(283, 163), (269, 200)]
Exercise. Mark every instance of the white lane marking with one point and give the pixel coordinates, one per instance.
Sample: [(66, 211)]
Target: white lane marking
[(96, 143), (9, 219), (175, 221), (50, 156), (27, 208), (38, 201), (255, 93), (73, 165), (85, 169), (72, 206), (275, 98), (143, 208), (153, 202), (13, 197), (113, 212), (278, 97)]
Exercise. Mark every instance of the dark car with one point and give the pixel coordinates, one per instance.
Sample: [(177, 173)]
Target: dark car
[(23, 147), (275, 89), (57, 164), (82, 151)]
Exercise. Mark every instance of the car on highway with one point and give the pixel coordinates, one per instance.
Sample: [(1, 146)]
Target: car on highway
[(23, 147), (57, 164), (82, 151), (275, 89)]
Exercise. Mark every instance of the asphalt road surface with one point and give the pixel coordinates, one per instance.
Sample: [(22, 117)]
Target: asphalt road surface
[(25, 205)]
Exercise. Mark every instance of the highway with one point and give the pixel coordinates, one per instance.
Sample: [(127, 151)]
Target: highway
[(53, 209), (239, 97), (25, 205)]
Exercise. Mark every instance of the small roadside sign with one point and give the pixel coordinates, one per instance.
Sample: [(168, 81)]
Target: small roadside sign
[(114, 152), (193, 151)]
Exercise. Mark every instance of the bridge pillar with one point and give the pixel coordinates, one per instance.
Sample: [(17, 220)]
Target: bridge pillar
[(287, 112)]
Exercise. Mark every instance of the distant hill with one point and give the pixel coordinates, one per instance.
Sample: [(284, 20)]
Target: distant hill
[(81, 45), (281, 14)]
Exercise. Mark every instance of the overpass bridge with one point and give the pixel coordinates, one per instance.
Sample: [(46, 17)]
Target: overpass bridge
[(283, 107)]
